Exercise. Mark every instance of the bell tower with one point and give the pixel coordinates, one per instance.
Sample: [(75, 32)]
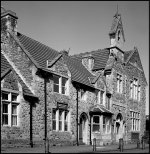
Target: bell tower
[(116, 33)]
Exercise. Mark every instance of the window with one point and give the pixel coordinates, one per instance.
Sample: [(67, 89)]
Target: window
[(101, 97), (135, 121), (66, 121), (64, 81), (9, 109), (108, 103), (60, 120), (56, 83), (135, 88), (5, 114), (118, 35), (139, 92), (131, 89), (106, 125), (54, 119), (96, 124), (60, 84), (119, 83), (83, 95)]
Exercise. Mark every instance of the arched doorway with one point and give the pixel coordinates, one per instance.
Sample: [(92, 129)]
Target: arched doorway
[(119, 127), (83, 128)]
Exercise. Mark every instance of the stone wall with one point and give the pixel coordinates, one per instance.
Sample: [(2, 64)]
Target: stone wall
[(122, 102), (20, 133)]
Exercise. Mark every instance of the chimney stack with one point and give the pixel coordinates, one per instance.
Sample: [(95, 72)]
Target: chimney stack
[(8, 21)]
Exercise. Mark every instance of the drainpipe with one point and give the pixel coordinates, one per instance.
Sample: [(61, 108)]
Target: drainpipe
[(90, 130), (77, 116), (45, 97), (31, 138)]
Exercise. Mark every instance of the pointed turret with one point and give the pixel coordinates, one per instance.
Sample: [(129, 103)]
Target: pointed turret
[(116, 32)]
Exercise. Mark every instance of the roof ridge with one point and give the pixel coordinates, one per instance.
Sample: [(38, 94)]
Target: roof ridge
[(88, 52)]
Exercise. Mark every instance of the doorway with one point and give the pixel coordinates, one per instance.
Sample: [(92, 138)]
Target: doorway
[(83, 128), (119, 127)]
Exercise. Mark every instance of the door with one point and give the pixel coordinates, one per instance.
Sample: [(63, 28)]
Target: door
[(119, 127), (83, 126)]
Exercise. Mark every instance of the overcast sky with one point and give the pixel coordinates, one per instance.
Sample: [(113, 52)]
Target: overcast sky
[(84, 25)]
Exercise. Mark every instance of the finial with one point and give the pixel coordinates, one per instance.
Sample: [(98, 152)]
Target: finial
[(117, 9)]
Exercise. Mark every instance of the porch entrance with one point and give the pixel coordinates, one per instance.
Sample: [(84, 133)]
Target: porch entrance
[(119, 127), (83, 128)]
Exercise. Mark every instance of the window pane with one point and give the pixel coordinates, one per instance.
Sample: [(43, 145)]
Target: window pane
[(5, 108), (66, 115), (56, 88), (66, 126), (64, 80), (14, 109), (104, 128), (63, 90), (60, 114), (60, 125), (14, 120), (4, 96), (96, 119), (54, 114), (56, 79), (66, 121), (5, 119), (104, 120), (54, 124), (95, 127), (14, 97)]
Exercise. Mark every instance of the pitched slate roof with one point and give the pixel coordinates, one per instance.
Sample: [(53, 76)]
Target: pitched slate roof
[(78, 72), (6, 66), (100, 58), (41, 53), (127, 54), (100, 108)]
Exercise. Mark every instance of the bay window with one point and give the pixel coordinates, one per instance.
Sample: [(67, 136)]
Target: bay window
[(96, 123)]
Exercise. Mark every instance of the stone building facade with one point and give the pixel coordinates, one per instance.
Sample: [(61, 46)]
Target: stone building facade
[(69, 99)]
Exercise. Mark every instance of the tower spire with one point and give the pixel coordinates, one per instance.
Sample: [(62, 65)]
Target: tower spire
[(117, 9)]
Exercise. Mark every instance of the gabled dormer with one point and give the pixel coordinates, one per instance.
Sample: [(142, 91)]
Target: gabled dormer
[(88, 62)]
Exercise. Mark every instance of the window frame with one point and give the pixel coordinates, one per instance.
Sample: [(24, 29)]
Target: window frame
[(95, 124), (60, 85), (119, 83), (135, 120), (58, 120), (10, 103)]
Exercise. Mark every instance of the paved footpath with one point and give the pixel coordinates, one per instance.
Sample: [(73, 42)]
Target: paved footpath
[(129, 148)]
